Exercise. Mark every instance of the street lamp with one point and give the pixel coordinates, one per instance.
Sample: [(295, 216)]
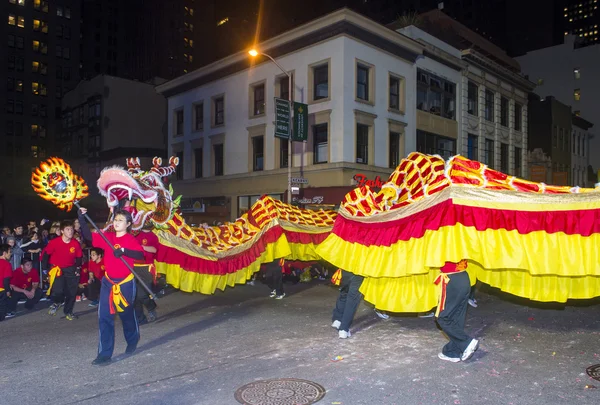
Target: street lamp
[(254, 53)]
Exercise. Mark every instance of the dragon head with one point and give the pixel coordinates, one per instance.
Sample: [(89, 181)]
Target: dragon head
[(142, 193)]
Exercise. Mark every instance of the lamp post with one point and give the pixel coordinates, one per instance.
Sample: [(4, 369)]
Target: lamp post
[(254, 53)]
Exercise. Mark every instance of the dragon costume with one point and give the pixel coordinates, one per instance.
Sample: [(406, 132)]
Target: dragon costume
[(528, 239)]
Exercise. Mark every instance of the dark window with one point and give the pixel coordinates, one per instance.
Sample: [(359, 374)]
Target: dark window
[(179, 169), (488, 114), (219, 162), (18, 107), (11, 62), (11, 41), (433, 144), (321, 82), (179, 122), (436, 95), (199, 117), (362, 144), (198, 162), (518, 164), (219, 111), (394, 157), (472, 147), (259, 99), (67, 73), (10, 127), (284, 88), (20, 42), (283, 152), (320, 148), (555, 136), (518, 111), (18, 129), (258, 153), (10, 84), (10, 106), (362, 82), (504, 157), (394, 93), (488, 153), (504, 111), (473, 99)]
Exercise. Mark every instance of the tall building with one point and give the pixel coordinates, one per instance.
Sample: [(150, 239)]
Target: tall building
[(581, 18), (39, 54)]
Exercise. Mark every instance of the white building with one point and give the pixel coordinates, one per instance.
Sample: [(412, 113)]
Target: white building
[(571, 75), (358, 79), (580, 151)]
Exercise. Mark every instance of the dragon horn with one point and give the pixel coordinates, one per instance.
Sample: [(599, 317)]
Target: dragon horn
[(156, 161)]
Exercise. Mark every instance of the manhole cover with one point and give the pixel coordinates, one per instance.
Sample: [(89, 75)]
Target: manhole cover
[(594, 371), (283, 391)]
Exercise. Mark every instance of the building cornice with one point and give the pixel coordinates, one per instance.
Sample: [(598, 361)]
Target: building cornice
[(475, 58), (343, 22)]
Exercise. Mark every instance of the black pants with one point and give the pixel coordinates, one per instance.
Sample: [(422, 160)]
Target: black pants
[(452, 318), (29, 304), (92, 290), (3, 305), (142, 297), (348, 300), (65, 287), (274, 277)]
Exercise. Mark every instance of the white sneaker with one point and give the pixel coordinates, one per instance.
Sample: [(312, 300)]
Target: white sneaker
[(473, 302), (470, 350), (336, 324), (251, 282), (427, 315), (273, 294), (382, 315), (344, 334), (280, 297), (450, 359)]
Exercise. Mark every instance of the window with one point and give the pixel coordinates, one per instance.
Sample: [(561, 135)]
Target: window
[(179, 169), (488, 114), (320, 144), (258, 153), (284, 87), (19, 107), (58, 51), (577, 94), (10, 106), (198, 163), (396, 94), (503, 111), (20, 42), (488, 153), (34, 109), (34, 130), (258, 97), (436, 95), (11, 62), (555, 136), (577, 113), (362, 82), (18, 129), (11, 41), (21, 22), (19, 85), (472, 147), (362, 144), (59, 11), (576, 73), (10, 83), (219, 111), (394, 152), (560, 138), (574, 143), (67, 53), (68, 13), (321, 82), (35, 66), (518, 116), (58, 72), (43, 110), (179, 123), (12, 19), (198, 117), (219, 156), (283, 152), (37, 25), (504, 157), (35, 88), (433, 144), (67, 73)]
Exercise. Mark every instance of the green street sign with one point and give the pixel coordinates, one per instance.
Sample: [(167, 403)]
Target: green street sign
[(282, 118), (300, 133)]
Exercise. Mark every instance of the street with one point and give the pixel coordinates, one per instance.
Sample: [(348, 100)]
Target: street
[(203, 348)]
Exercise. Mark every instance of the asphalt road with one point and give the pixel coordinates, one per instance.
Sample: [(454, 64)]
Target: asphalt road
[(205, 347)]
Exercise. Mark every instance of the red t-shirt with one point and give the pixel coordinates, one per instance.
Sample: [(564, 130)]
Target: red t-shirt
[(84, 278), (115, 269), (63, 254), (97, 269), (22, 280), (5, 271), (148, 239)]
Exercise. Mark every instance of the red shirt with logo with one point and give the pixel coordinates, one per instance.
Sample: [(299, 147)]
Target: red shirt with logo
[(21, 280), (63, 254), (97, 269), (84, 277), (115, 269), (148, 239)]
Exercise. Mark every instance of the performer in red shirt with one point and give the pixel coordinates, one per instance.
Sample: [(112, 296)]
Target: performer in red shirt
[(118, 287), (65, 256), (5, 276), (146, 269), (455, 288), (95, 274), (25, 285)]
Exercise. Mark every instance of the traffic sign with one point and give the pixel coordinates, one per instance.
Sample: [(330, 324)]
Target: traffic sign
[(298, 180), (282, 118)]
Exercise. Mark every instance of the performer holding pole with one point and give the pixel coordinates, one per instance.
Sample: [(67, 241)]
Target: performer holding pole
[(118, 290)]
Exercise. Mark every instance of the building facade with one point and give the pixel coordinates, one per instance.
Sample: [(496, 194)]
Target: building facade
[(570, 75), (357, 78), (40, 61), (581, 19), (108, 119), (582, 173)]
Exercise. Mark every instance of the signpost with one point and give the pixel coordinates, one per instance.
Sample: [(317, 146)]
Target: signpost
[(282, 118), (300, 133), (298, 180)]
